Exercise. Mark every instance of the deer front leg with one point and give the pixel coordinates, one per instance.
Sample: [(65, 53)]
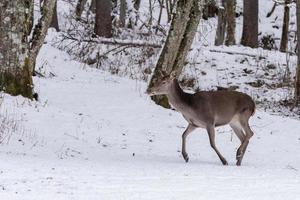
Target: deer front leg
[(187, 131), (211, 135)]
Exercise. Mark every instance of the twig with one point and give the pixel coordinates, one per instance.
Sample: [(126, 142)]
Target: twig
[(236, 53)]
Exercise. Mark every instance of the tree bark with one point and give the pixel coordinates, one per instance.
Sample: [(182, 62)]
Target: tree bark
[(250, 24), (30, 14), (179, 40), (161, 6), (15, 75), (137, 4), (79, 8), (220, 33), (40, 31), (122, 13), (103, 21), (285, 27), (297, 78), (93, 6), (189, 35), (230, 17), (54, 21)]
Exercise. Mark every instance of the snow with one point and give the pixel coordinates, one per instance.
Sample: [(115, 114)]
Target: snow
[(93, 135)]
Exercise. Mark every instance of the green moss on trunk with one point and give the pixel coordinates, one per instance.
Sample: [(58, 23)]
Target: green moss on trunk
[(17, 81)]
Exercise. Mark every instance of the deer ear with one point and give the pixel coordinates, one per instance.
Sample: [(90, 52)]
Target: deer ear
[(163, 73), (173, 75)]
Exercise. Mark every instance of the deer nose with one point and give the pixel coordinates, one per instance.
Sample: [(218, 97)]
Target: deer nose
[(147, 91)]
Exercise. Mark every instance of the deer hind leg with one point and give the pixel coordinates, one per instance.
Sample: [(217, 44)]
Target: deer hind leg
[(242, 149), (237, 128), (187, 131), (211, 135)]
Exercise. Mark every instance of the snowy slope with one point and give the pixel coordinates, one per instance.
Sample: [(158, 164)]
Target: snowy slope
[(97, 136)]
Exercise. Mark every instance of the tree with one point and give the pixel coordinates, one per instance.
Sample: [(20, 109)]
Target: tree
[(297, 79), (220, 32), (103, 21), (285, 27), (54, 21), (79, 8), (15, 75), (230, 21), (250, 24), (179, 40), (122, 13), (40, 31), (17, 55)]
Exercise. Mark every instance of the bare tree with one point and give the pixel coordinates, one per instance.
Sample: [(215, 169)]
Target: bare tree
[(297, 79), (40, 31), (93, 6), (285, 27), (250, 24), (103, 21), (179, 40), (230, 18), (136, 4), (122, 13), (79, 8), (220, 33), (54, 21)]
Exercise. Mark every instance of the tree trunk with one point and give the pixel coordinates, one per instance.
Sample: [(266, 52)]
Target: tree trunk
[(15, 75), (210, 9), (179, 40), (122, 13), (103, 21), (161, 6), (250, 24), (79, 8), (285, 27), (230, 17), (297, 78), (189, 35), (54, 21), (220, 33), (30, 14), (136, 4), (93, 6), (40, 31)]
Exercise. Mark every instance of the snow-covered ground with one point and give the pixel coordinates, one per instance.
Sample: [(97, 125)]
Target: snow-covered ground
[(93, 135), (97, 136)]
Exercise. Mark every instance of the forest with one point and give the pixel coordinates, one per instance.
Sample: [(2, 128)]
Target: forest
[(149, 99)]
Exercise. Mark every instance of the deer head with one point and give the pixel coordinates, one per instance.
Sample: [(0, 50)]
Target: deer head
[(162, 86)]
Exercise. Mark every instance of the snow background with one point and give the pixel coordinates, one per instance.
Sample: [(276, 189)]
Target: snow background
[(93, 135)]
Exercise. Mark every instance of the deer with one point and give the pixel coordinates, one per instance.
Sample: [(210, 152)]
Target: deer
[(209, 109)]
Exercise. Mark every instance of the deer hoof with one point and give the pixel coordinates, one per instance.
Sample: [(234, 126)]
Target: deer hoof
[(185, 157), (239, 162), (224, 162)]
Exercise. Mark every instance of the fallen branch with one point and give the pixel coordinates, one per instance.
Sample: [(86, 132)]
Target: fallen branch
[(237, 53), (135, 43)]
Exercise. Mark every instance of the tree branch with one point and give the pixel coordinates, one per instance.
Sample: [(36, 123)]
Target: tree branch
[(132, 43)]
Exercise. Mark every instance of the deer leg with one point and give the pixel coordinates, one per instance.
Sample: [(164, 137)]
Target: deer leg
[(187, 131), (238, 131), (240, 134), (243, 147), (211, 135)]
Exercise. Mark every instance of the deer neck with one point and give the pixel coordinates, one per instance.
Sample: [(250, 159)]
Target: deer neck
[(177, 97)]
